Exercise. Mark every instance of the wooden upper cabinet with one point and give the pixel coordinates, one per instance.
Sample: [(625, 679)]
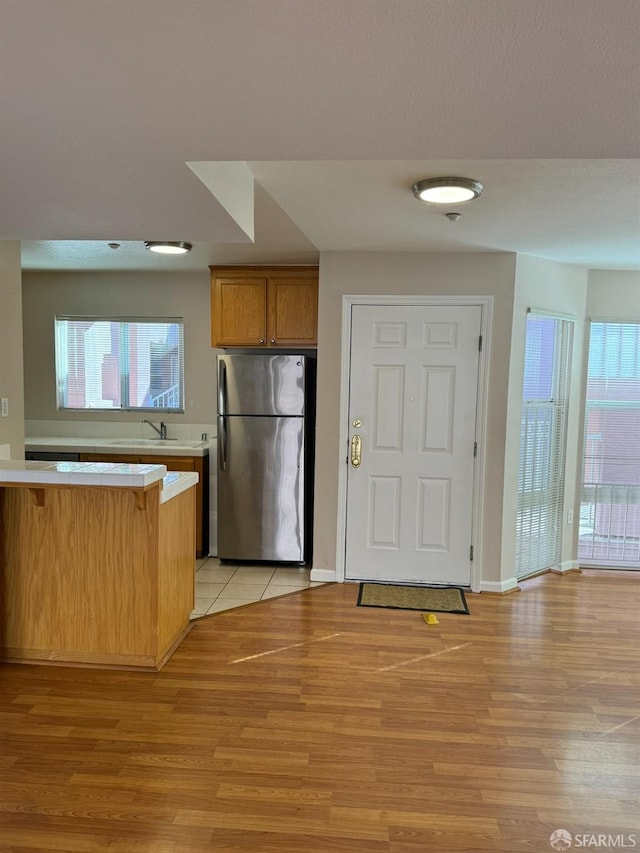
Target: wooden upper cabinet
[(264, 306), (292, 311), (238, 311)]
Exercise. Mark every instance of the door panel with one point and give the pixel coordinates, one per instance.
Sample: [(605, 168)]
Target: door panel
[(413, 392), (384, 512), (386, 432), (436, 415), (434, 501)]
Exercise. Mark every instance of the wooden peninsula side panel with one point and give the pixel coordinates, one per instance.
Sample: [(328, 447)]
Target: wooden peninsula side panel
[(95, 576), (176, 570)]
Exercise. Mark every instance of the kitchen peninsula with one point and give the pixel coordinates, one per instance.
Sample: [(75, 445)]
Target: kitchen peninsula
[(175, 454), (96, 562)]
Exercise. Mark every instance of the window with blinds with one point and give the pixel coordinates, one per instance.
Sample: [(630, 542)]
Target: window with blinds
[(120, 363), (610, 501), (543, 439)]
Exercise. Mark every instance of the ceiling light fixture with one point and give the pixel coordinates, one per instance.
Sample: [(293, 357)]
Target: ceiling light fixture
[(447, 190), (166, 248)]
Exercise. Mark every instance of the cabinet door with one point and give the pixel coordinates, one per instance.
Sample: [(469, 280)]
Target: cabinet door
[(293, 311), (173, 463), (239, 311)]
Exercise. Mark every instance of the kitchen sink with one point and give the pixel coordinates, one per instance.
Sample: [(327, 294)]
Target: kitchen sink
[(142, 442), (155, 442)]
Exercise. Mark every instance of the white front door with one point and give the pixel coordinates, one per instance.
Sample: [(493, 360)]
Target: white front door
[(412, 402)]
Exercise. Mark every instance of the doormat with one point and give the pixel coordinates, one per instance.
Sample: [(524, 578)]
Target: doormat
[(448, 599)]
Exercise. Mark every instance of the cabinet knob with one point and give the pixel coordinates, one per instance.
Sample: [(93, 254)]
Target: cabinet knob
[(261, 341), (273, 340)]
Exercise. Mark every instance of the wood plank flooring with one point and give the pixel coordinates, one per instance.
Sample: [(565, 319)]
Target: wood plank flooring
[(306, 724)]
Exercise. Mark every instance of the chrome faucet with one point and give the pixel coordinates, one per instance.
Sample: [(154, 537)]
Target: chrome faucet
[(162, 432)]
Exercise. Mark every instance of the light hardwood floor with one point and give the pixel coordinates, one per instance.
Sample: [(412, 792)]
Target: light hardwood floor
[(306, 724)]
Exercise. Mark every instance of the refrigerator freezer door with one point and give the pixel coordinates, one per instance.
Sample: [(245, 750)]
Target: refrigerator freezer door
[(261, 490), (261, 384)]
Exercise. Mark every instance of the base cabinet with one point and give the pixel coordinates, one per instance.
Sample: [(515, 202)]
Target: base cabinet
[(199, 464), (94, 576), (264, 306)]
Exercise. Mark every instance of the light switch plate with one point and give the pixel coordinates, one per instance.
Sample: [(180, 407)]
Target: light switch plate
[(4, 407)]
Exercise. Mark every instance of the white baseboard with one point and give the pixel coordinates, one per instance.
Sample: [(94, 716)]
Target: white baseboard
[(322, 576), (566, 566), (500, 587)]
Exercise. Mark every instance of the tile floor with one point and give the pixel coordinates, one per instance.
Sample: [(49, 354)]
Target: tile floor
[(221, 587)]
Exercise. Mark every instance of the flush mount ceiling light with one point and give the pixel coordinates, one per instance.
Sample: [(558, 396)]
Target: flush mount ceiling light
[(447, 190), (164, 248)]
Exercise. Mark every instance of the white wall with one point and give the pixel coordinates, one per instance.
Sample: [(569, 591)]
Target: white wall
[(136, 294), (11, 373), (553, 287), (479, 274), (614, 295)]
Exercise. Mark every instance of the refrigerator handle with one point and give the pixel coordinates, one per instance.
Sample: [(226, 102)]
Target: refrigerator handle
[(222, 443), (222, 387), (222, 411)]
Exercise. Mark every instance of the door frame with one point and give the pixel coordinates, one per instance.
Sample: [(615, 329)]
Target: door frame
[(486, 305)]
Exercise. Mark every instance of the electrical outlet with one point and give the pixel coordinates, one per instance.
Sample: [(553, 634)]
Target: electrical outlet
[(4, 407), (569, 516)]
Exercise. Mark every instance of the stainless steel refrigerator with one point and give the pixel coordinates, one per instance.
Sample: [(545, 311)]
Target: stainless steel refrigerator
[(265, 438)]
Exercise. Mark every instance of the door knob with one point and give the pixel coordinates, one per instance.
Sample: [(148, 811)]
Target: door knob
[(356, 451)]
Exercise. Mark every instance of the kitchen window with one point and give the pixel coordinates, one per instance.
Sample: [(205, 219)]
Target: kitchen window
[(117, 363)]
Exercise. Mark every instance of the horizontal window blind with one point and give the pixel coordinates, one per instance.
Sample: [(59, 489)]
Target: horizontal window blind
[(120, 363), (610, 500), (543, 438)]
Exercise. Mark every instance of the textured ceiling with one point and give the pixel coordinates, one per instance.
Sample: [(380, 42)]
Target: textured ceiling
[(338, 106)]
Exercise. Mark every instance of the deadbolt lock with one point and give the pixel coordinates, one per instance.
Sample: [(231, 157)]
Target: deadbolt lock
[(357, 423), (356, 451)]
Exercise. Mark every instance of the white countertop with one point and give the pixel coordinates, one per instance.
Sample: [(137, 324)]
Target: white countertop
[(97, 474), (81, 473), (176, 482), (146, 446)]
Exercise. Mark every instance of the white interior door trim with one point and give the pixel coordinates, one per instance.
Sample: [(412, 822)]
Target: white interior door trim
[(486, 305)]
